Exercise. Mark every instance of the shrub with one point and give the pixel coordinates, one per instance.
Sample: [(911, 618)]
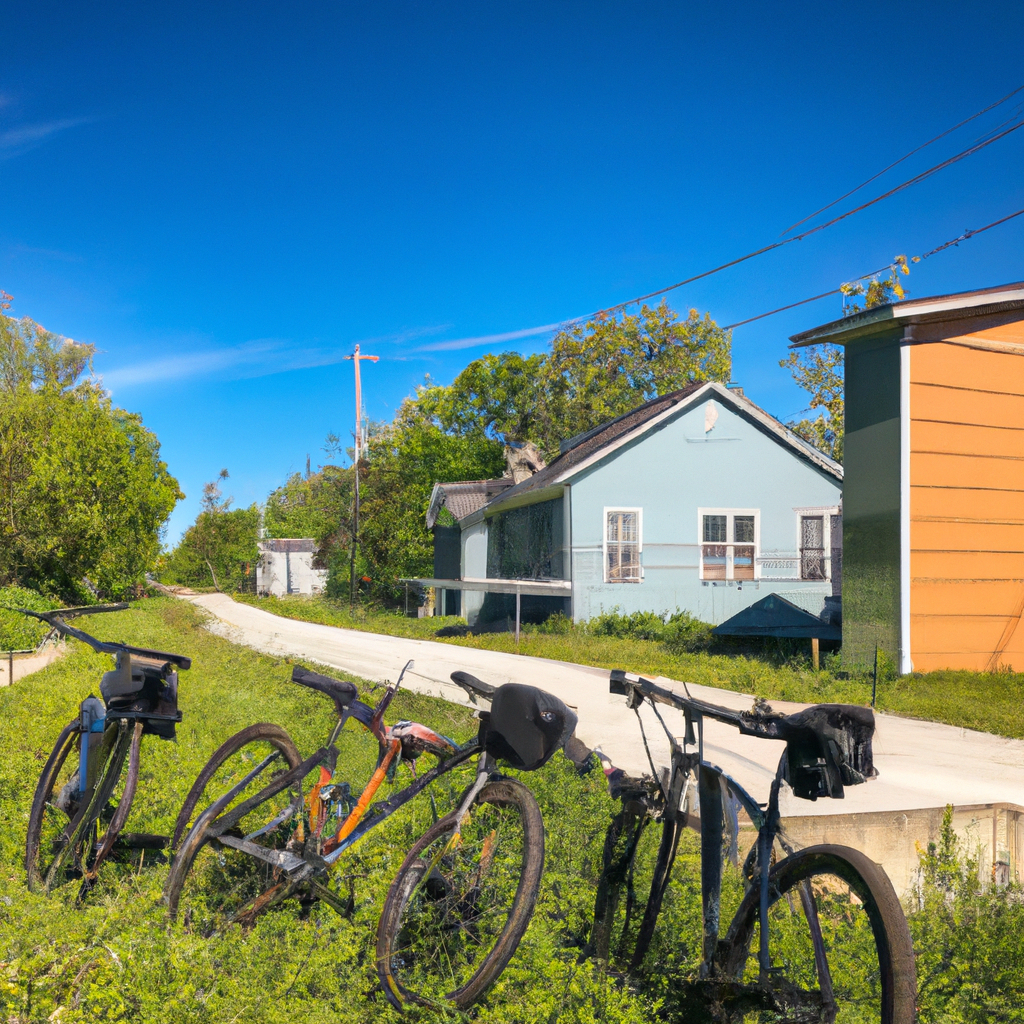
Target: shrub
[(18, 632), (684, 634)]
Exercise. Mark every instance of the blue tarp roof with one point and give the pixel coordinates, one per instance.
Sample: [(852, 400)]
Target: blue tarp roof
[(775, 616)]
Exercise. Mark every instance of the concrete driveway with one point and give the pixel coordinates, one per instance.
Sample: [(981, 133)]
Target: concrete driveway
[(920, 764)]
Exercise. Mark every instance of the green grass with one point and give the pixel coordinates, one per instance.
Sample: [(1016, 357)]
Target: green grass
[(988, 701), (117, 958)]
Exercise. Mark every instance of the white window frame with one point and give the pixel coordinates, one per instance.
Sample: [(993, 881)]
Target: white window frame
[(826, 512), (729, 545), (639, 541)]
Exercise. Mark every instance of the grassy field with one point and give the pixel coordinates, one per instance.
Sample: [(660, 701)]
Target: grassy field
[(117, 958), (991, 702)]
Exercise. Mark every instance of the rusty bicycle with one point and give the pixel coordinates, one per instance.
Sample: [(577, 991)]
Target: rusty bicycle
[(819, 933), (463, 896), (85, 791)]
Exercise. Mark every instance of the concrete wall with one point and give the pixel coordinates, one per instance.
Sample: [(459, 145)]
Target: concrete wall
[(994, 833), (670, 473), (289, 572)]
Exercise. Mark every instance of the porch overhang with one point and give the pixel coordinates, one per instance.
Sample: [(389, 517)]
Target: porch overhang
[(531, 588)]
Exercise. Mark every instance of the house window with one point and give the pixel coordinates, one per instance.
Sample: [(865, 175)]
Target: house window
[(622, 545), (812, 548), (728, 549)]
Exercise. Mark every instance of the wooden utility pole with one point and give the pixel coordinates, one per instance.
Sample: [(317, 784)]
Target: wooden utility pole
[(356, 357)]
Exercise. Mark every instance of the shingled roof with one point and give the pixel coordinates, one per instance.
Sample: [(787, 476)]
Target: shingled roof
[(585, 448), (463, 497)]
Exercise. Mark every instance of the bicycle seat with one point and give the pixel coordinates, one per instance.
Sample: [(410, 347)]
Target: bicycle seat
[(343, 693)]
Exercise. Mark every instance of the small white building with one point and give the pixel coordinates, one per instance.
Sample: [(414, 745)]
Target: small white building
[(286, 567)]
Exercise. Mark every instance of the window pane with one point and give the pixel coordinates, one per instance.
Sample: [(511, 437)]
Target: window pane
[(714, 559), (743, 528), (622, 526), (743, 563), (812, 547), (714, 529)]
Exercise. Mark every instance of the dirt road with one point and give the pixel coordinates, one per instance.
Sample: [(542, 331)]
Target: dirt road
[(921, 764)]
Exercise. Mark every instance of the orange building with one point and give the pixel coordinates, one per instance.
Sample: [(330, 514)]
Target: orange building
[(933, 491)]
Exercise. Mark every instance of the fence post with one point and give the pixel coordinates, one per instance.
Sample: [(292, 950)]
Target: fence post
[(874, 678)]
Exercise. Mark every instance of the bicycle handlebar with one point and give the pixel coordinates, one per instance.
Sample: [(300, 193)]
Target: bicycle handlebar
[(620, 683), (55, 619)]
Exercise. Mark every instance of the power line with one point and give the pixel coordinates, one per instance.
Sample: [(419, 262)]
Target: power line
[(916, 259), (810, 231), (885, 170)]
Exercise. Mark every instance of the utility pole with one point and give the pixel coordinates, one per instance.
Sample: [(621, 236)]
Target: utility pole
[(356, 357)]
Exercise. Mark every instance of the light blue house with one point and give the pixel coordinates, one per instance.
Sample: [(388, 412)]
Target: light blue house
[(698, 500)]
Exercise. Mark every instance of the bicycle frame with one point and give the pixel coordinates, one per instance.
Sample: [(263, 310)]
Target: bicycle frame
[(319, 854), (713, 785)]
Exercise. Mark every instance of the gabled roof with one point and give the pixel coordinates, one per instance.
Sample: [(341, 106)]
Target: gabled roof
[(463, 497), (584, 450), (1005, 298), (775, 616)]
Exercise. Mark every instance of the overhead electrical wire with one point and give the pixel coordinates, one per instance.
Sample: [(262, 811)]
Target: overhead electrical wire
[(924, 145), (810, 231), (916, 259)]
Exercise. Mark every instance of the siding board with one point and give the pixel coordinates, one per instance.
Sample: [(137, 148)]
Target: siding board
[(967, 503)]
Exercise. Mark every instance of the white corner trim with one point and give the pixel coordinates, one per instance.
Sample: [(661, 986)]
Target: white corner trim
[(906, 660)]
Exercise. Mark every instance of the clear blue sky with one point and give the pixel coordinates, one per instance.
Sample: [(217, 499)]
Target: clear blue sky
[(225, 197)]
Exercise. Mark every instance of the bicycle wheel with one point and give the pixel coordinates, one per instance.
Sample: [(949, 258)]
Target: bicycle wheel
[(212, 884), (61, 843), (838, 939), (214, 780), (459, 905)]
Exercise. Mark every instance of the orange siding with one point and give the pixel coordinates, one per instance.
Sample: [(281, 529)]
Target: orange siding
[(967, 503)]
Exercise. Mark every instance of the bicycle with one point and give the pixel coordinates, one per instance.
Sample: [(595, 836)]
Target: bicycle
[(832, 938), (78, 797), (463, 896)]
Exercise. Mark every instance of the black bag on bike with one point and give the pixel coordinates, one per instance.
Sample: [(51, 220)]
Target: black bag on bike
[(526, 725), (828, 748)]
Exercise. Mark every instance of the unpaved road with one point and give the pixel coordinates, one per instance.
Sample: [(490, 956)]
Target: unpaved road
[(920, 764)]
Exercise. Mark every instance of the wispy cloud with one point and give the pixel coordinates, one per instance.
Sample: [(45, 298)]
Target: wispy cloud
[(488, 339), (16, 141), (261, 358)]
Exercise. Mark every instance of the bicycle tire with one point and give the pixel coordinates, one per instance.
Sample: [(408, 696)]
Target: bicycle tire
[(43, 809), (856, 909), (273, 734), (428, 950), (623, 929), (218, 885), (72, 838)]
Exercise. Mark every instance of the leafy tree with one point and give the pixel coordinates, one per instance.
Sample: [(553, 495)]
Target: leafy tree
[(610, 365), (593, 373), (819, 370), (219, 549), (405, 460), (497, 395), (83, 491)]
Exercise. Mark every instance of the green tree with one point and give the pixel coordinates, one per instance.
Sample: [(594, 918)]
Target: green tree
[(819, 369), (602, 369), (219, 549), (83, 491), (405, 460), (497, 396)]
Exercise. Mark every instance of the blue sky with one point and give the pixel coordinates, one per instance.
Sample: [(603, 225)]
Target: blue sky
[(225, 197)]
